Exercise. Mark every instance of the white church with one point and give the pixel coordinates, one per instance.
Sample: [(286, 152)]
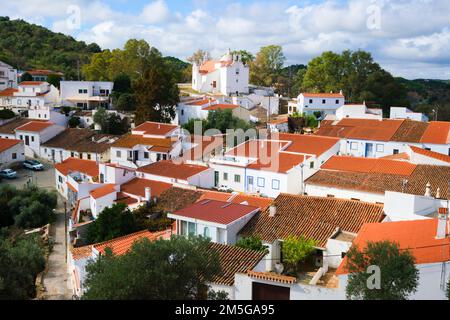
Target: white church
[(227, 76)]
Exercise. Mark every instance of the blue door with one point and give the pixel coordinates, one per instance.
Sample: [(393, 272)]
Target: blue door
[(369, 150)]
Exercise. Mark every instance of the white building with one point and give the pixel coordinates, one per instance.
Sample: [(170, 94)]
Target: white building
[(325, 103), (12, 151), (35, 133), (86, 94), (8, 76), (150, 142), (405, 113), (271, 167), (356, 111), (29, 95), (227, 76)]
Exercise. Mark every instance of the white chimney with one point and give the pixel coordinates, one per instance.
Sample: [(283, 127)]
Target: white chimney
[(428, 190), (148, 194), (272, 211), (442, 224)]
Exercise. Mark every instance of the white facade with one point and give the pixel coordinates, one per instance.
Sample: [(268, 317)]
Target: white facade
[(34, 139), (31, 95), (405, 113), (227, 76), (204, 179), (47, 113), (8, 76), (323, 103), (12, 155), (358, 111), (86, 94)]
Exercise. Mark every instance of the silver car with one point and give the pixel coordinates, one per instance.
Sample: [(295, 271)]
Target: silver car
[(8, 174)]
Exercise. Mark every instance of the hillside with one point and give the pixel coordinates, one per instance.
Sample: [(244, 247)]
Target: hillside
[(28, 46)]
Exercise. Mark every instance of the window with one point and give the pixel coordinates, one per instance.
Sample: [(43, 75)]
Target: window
[(330, 195), (21, 137), (14, 156), (429, 149), (183, 228), (32, 138), (146, 155), (80, 91), (225, 176), (182, 112), (60, 179), (311, 165), (261, 182), (324, 101), (343, 254), (72, 154), (85, 91), (396, 151), (337, 101), (89, 156), (353, 146), (158, 157), (214, 84), (275, 184), (192, 228), (206, 233), (380, 147), (237, 178), (164, 156), (237, 70), (118, 154), (449, 152), (310, 101)]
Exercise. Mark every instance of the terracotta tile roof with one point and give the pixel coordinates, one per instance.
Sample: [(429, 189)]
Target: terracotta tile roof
[(122, 245), (71, 187), (379, 183), (323, 95), (35, 126), (81, 252), (369, 165), (121, 198), (282, 162), (82, 140), (201, 102), (9, 92), (130, 140), (419, 237), (399, 156), (209, 66), (168, 168), (253, 201), (258, 148), (431, 154), (438, 132), (155, 128), (6, 144), (215, 211), (312, 217), (74, 164), (8, 128), (137, 187), (31, 83), (306, 143), (38, 72), (215, 195), (269, 276), (174, 199), (103, 191), (233, 260), (221, 106), (410, 131)]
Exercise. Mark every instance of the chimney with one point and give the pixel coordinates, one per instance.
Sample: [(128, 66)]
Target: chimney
[(272, 211), (428, 190), (442, 224), (148, 194), (438, 193)]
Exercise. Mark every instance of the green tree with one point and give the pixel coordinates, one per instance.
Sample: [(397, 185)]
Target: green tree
[(157, 222), (112, 223), (7, 192), (101, 117), (122, 84), (54, 79), (176, 269), (20, 262), (267, 66), (224, 119), (26, 77), (246, 56), (296, 250), (125, 102), (252, 243), (74, 122), (199, 57), (398, 274), (157, 95)]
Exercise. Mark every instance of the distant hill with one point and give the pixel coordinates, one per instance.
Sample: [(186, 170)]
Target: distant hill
[(426, 95), (29, 46)]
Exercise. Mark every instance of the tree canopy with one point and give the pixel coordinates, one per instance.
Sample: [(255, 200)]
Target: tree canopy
[(398, 277), (267, 66), (176, 269), (199, 56)]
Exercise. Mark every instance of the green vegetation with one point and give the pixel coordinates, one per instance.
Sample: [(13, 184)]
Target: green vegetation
[(296, 250), (21, 260), (267, 66), (252, 243), (157, 222), (398, 276), (30, 207), (7, 114), (74, 122), (110, 123), (20, 42), (176, 269)]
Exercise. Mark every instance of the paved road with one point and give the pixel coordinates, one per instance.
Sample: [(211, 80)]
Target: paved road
[(56, 280)]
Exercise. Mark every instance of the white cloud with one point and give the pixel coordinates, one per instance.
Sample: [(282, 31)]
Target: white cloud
[(155, 12)]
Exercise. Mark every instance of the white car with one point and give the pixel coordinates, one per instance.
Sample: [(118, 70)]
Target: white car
[(8, 174), (33, 165)]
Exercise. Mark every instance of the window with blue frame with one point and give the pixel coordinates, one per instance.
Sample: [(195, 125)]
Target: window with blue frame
[(261, 182), (275, 184)]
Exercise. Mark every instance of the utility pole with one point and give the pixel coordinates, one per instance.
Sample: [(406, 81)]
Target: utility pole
[(65, 229)]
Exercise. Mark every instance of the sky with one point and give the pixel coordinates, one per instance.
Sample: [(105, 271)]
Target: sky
[(409, 38)]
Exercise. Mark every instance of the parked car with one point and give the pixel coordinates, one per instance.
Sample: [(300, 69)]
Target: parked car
[(33, 165), (224, 189), (8, 174)]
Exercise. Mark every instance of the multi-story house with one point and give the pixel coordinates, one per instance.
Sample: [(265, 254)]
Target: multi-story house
[(30, 95), (323, 103), (86, 94), (8, 76)]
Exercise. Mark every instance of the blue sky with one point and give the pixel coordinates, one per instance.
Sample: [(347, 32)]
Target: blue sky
[(410, 38)]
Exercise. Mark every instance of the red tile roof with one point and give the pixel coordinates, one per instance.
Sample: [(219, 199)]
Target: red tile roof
[(418, 236), (122, 245), (323, 95), (168, 168), (35, 126), (103, 191), (269, 276), (221, 106), (6, 144), (44, 72), (431, 154), (9, 92), (369, 165), (130, 140), (216, 211), (74, 164), (199, 102), (31, 83), (155, 128), (282, 162), (308, 144), (253, 201), (258, 148), (137, 187), (438, 132), (210, 66)]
